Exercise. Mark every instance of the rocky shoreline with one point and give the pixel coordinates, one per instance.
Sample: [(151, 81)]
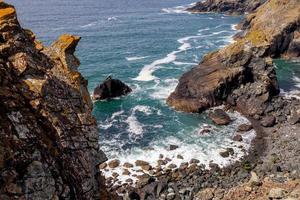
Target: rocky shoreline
[(49, 140)]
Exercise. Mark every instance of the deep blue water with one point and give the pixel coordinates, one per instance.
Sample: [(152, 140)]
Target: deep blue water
[(148, 45)]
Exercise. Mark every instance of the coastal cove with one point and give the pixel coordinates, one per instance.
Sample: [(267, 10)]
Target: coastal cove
[(136, 46), (210, 107)]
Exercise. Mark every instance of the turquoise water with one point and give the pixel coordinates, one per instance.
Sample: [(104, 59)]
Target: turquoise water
[(288, 75), (148, 45)]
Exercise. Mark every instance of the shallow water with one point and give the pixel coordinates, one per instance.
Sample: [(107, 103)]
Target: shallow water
[(148, 45)]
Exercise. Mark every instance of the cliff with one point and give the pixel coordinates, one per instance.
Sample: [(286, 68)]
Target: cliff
[(227, 6), (242, 74), (48, 137)]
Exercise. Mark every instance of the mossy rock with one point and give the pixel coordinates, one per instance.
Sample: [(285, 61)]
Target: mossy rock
[(247, 166)]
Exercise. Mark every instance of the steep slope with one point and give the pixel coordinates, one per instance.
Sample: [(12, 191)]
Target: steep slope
[(48, 137), (243, 73), (227, 6)]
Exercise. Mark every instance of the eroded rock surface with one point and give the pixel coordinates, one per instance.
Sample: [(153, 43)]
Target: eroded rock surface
[(48, 137), (242, 74)]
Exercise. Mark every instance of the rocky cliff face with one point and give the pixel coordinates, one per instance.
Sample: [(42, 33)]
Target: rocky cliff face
[(242, 73), (48, 137), (227, 6)]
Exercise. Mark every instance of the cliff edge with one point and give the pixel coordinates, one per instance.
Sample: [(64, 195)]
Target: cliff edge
[(243, 74), (48, 137)]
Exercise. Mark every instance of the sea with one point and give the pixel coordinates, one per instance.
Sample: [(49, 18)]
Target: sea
[(148, 45)]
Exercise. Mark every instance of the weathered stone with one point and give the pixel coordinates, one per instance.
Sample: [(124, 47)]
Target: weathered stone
[(141, 163), (114, 163), (110, 88), (277, 193), (244, 127), (173, 147), (237, 138), (206, 194), (268, 121), (128, 165), (219, 117), (103, 165)]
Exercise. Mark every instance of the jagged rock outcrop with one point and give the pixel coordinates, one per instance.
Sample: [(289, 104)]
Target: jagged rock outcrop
[(48, 137), (111, 88), (227, 6), (242, 74)]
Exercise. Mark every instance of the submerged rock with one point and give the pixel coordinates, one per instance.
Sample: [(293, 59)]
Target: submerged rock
[(111, 88), (219, 117)]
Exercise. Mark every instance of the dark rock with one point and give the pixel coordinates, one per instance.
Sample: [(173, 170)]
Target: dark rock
[(194, 161), (228, 7), (238, 138), (244, 127), (224, 154), (219, 117), (268, 121), (111, 88), (173, 147)]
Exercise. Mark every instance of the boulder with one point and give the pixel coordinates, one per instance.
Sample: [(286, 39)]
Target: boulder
[(237, 138), (128, 165), (111, 88), (141, 163), (244, 127), (173, 147), (114, 163), (277, 193), (205, 194), (219, 117), (268, 121)]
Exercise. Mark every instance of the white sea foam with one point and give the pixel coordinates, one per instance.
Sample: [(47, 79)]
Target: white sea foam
[(205, 148), (112, 18), (178, 9), (146, 74), (163, 89), (89, 25), (136, 58), (134, 126), (295, 93), (184, 63), (234, 27), (109, 122)]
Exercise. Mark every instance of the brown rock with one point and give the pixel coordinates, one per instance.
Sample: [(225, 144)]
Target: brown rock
[(128, 165), (146, 167), (237, 138), (126, 172), (206, 194), (141, 163), (114, 163), (219, 117), (244, 127), (268, 121), (103, 165)]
